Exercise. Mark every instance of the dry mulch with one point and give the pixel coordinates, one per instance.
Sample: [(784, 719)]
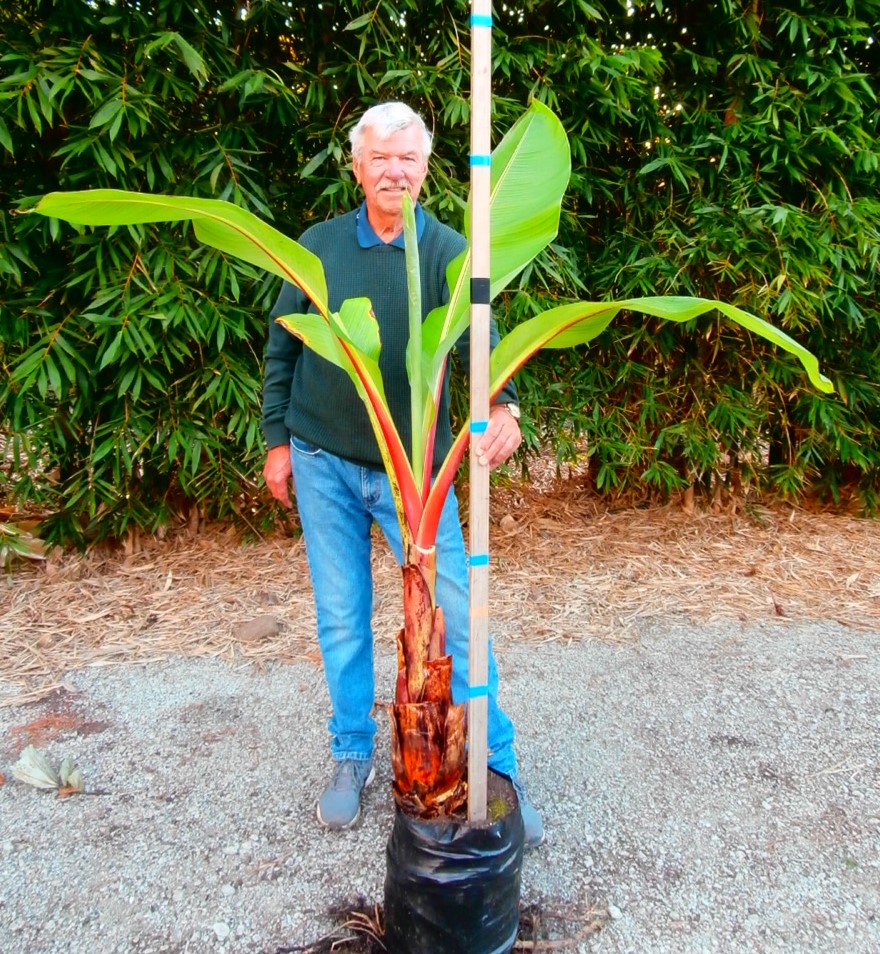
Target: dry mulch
[(566, 566)]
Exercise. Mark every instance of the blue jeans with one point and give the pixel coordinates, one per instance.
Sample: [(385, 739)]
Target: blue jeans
[(337, 503)]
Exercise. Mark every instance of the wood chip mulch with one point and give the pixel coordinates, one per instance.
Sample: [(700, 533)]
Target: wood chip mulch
[(565, 567)]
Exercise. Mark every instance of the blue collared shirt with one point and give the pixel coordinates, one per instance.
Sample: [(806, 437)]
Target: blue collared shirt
[(367, 237)]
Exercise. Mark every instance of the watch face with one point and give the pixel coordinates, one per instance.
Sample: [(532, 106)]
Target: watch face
[(515, 412)]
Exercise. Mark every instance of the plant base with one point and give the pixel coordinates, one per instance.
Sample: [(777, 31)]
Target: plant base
[(454, 888)]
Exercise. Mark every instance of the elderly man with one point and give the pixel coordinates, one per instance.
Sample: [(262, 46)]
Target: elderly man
[(322, 448)]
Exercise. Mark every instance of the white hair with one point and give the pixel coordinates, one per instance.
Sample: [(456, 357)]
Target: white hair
[(385, 120)]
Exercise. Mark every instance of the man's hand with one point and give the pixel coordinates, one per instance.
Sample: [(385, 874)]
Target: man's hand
[(278, 475), (501, 439)]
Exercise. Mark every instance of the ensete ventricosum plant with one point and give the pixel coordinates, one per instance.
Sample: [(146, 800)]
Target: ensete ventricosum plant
[(530, 171)]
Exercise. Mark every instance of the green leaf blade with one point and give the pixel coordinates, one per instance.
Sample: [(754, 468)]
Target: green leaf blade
[(220, 224)]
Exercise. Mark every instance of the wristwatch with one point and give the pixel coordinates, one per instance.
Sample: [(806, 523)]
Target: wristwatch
[(513, 410)]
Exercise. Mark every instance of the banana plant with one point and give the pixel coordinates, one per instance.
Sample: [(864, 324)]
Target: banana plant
[(530, 172)]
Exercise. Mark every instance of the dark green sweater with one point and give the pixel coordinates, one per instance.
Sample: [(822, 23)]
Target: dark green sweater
[(307, 396)]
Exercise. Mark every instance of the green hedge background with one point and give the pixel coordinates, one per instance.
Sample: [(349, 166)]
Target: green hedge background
[(720, 149)]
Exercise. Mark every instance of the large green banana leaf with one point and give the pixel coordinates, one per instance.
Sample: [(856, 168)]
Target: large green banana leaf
[(530, 170), (348, 339), (219, 224), (531, 167), (580, 322)]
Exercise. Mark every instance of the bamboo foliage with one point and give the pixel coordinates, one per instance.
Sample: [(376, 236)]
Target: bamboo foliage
[(130, 361)]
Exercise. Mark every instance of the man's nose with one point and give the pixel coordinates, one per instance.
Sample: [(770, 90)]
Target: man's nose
[(394, 169)]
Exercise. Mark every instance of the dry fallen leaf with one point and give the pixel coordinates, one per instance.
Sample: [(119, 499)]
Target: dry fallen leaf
[(33, 768), (257, 629), (70, 777), (508, 523)]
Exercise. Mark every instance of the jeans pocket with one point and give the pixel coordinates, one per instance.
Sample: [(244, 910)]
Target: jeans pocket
[(304, 447)]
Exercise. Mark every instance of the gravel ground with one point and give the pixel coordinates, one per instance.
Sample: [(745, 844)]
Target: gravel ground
[(711, 789)]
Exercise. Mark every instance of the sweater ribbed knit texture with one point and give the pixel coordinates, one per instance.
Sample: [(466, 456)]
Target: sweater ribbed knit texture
[(310, 398)]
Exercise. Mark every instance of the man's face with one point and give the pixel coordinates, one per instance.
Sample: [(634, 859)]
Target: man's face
[(389, 166)]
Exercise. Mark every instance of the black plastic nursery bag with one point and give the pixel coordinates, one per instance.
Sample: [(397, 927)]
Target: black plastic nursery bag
[(451, 888)]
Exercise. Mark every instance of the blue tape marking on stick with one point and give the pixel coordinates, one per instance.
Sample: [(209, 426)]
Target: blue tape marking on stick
[(478, 559), (481, 19), (480, 160), (478, 427), (477, 692)]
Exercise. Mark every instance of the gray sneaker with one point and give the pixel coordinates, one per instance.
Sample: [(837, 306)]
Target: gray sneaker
[(340, 805), (532, 823)]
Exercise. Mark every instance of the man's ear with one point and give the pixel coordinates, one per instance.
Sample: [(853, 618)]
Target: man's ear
[(356, 169)]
